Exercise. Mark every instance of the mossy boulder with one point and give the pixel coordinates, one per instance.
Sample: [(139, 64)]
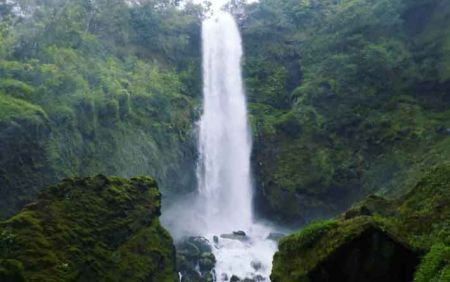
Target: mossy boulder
[(377, 239), (195, 260), (353, 250), (90, 229)]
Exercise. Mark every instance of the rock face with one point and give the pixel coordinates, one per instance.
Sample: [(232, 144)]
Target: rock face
[(24, 135), (37, 149), (89, 229)]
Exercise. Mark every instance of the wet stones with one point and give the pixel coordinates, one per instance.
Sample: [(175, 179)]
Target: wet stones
[(257, 278), (195, 260), (256, 265), (236, 235)]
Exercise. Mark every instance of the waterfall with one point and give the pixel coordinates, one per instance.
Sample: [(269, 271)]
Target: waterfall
[(224, 141), (224, 177), (223, 202)]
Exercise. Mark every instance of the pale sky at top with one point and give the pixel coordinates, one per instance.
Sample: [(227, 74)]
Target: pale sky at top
[(220, 3)]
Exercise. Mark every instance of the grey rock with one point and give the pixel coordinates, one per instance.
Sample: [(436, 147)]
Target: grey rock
[(256, 265)]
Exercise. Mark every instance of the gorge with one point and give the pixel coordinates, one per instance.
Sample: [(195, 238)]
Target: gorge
[(279, 140)]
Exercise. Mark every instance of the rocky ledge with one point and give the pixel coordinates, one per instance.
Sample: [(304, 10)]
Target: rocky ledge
[(89, 229), (406, 239)]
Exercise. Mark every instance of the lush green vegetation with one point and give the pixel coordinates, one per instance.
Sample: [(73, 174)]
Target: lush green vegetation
[(418, 221), (92, 229), (92, 87), (347, 98)]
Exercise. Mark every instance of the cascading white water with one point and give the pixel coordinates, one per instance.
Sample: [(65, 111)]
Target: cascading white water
[(223, 202), (224, 141), (224, 176)]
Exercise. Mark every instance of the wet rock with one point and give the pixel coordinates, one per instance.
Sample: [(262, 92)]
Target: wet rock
[(208, 277), (237, 235), (216, 239), (189, 251), (187, 269), (207, 262), (201, 243), (224, 277), (234, 278), (260, 278), (195, 261), (256, 265), (275, 236)]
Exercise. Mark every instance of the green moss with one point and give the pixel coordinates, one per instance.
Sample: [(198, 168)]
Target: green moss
[(307, 237), (92, 229), (435, 266), (412, 225), (301, 253)]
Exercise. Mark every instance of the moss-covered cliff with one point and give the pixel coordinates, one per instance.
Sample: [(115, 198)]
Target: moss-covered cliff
[(89, 229), (347, 98), (377, 240), (94, 87)]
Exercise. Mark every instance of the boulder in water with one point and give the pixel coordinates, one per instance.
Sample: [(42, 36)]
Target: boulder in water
[(239, 233), (260, 278), (234, 278), (195, 259), (201, 243), (236, 235), (207, 262), (256, 265)]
